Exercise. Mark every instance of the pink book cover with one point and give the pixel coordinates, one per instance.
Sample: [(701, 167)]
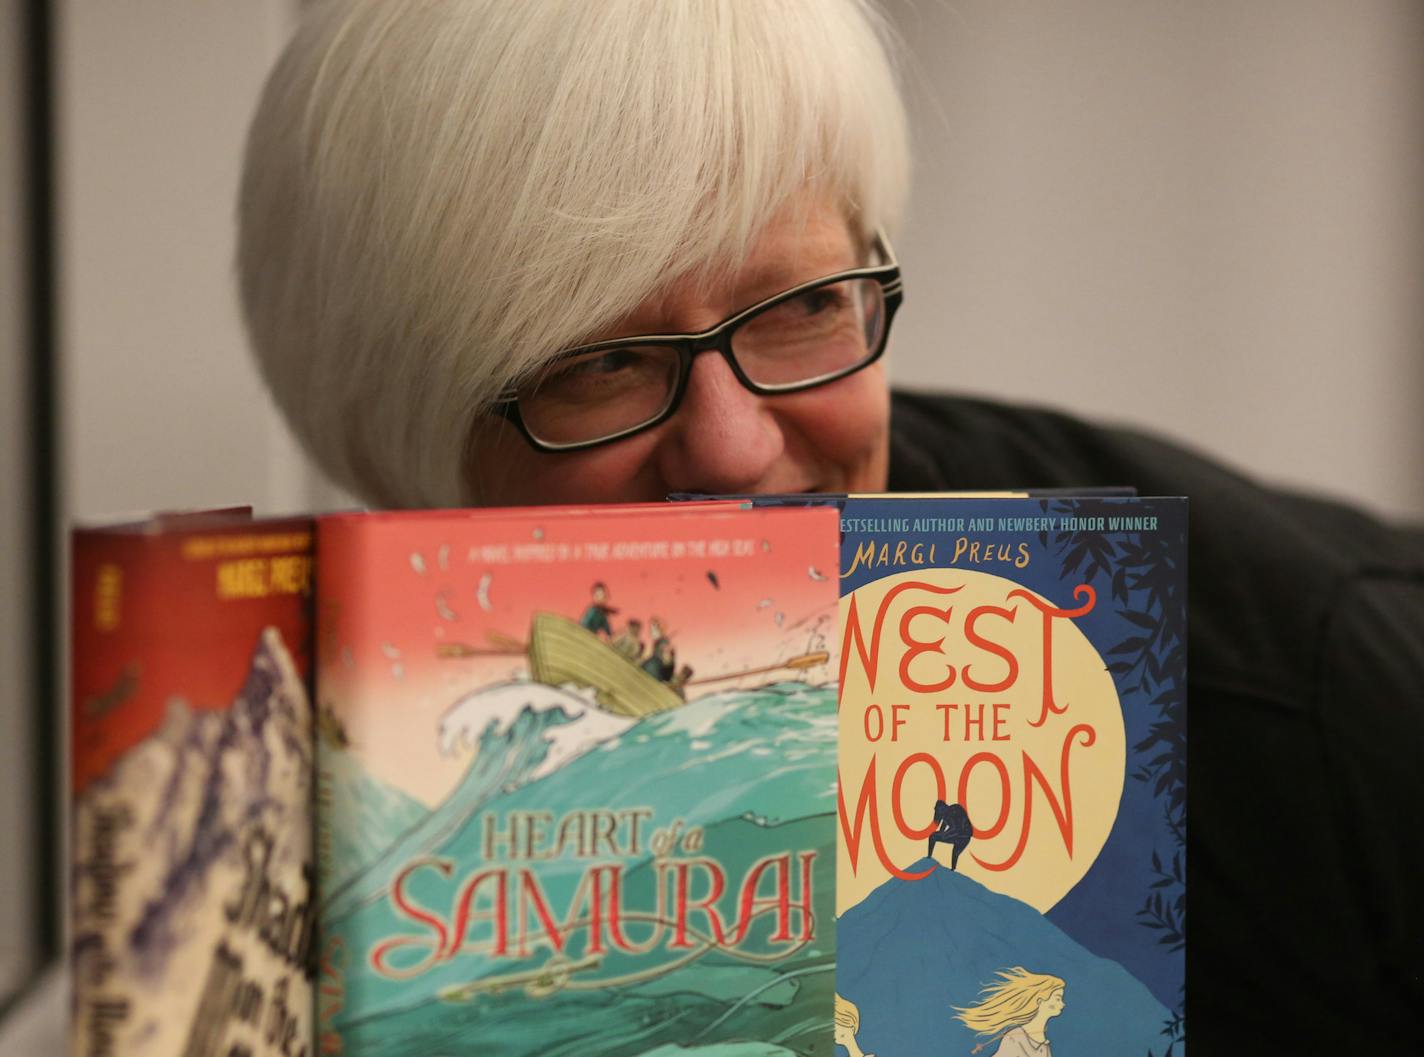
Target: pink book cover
[(577, 782)]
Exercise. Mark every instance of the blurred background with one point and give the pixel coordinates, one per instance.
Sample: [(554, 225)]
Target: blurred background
[(1204, 219)]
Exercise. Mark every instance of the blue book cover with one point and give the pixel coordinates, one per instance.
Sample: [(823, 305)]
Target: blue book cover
[(1012, 716)]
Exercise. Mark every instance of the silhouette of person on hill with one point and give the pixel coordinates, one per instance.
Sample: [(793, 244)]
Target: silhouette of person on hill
[(953, 828)]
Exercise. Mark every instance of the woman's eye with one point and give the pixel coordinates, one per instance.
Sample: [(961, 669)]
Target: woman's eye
[(815, 302), (819, 304), (610, 362), (597, 365), (605, 375)]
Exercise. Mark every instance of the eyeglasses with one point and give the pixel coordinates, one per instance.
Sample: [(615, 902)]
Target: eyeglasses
[(813, 334)]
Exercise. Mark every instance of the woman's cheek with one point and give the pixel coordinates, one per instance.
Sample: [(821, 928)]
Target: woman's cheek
[(617, 473), (849, 428)]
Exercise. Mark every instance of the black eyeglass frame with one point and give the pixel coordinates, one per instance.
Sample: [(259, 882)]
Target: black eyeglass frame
[(719, 339)]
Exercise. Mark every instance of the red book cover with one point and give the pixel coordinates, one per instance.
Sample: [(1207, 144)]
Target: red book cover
[(191, 876)]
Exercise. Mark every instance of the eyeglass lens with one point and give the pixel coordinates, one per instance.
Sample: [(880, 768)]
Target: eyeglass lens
[(819, 333)]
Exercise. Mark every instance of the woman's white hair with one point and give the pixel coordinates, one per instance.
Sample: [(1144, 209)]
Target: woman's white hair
[(440, 194)]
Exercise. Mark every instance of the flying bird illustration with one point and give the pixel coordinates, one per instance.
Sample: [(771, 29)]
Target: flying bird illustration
[(482, 591), (393, 654), (815, 573), (123, 689), (712, 579)]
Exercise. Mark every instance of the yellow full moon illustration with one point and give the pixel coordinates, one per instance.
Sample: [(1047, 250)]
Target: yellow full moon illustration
[(974, 692)]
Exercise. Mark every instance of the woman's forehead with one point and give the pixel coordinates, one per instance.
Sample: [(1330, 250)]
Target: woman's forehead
[(799, 245), (803, 241)]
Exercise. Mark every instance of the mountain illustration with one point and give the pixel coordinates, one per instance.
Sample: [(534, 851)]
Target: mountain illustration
[(175, 841), (912, 951)]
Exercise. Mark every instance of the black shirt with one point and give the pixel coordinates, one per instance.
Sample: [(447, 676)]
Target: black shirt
[(1305, 847)]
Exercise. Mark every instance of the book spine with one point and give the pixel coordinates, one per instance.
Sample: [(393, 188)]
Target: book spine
[(338, 576), (105, 570)]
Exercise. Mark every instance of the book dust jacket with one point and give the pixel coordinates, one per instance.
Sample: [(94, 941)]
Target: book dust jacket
[(576, 783), (191, 910), (1012, 777)]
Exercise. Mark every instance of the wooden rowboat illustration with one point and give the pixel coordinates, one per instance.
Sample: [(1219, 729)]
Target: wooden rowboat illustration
[(562, 651)]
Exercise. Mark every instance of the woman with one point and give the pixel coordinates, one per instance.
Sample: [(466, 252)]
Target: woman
[(452, 208), (1015, 1011), (440, 198)]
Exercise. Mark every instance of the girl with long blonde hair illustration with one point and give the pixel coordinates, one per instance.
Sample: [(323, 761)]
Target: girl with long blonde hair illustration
[(1016, 1011), (847, 1021)]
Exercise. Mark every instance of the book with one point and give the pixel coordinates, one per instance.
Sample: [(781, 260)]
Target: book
[(576, 781), (578, 789), (190, 904), (1012, 775)]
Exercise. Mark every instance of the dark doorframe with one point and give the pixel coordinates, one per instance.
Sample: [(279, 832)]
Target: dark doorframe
[(45, 469)]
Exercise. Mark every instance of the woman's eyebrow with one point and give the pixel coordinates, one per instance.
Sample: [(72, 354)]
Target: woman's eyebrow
[(764, 279)]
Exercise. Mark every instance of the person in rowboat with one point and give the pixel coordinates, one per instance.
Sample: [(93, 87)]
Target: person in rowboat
[(662, 663), (629, 641), (678, 683), (595, 617)]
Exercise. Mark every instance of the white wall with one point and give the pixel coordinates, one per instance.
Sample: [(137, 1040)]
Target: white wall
[(163, 409), (1204, 217)]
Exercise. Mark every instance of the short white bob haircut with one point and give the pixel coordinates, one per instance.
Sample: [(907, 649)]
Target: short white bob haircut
[(438, 195)]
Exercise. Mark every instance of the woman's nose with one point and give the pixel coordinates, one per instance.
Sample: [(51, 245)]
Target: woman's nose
[(723, 438)]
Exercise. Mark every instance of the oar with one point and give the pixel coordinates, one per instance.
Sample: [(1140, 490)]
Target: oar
[(503, 646), (806, 660), (507, 643)]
